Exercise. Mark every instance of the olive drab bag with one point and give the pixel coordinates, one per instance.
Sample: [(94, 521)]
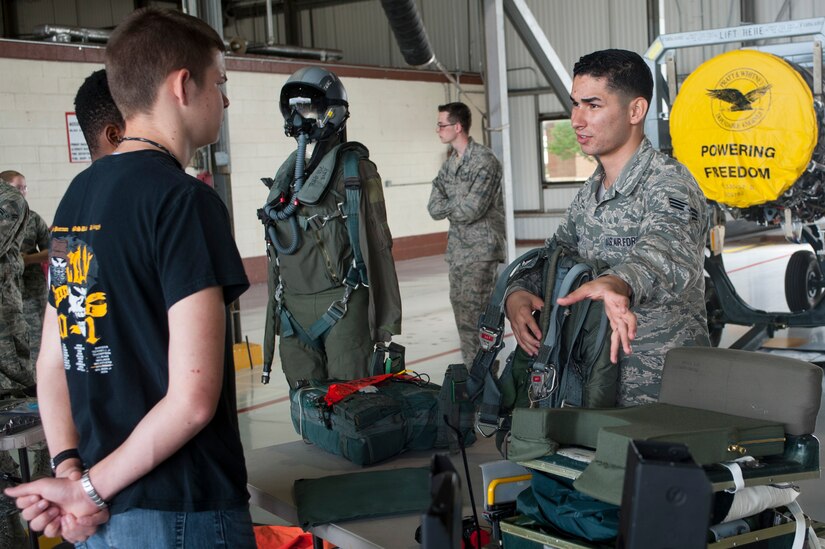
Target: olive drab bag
[(572, 367), (387, 415)]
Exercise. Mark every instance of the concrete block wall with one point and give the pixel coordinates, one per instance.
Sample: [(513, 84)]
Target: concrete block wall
[(34, 99), (394, 118)]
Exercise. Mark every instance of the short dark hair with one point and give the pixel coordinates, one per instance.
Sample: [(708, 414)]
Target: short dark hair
[(626, 71), (95, 109), (458, 113), (147, 46)]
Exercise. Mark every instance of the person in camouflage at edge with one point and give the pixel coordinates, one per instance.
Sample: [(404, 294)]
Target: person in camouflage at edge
[(643, 214), (15, 372), (14, 336), (467, 191), (35, 250)]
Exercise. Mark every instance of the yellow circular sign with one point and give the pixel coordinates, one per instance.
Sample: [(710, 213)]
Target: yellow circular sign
[(744, 125)]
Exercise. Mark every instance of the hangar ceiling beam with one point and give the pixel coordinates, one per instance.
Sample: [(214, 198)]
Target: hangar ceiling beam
[(539, 47)]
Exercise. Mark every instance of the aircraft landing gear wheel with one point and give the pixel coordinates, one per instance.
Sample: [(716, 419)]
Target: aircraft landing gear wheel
[(803, 282), (713, 307)]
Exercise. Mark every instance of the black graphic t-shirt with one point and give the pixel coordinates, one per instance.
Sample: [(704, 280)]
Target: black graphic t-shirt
[(133, 235)]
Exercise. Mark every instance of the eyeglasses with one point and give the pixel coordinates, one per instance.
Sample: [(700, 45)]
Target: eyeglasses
[(441, 126)]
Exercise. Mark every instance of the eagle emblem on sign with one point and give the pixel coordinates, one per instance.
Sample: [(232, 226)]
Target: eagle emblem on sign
[(739, 101)]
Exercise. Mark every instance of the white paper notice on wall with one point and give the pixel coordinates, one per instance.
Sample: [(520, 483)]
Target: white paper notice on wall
[(78, 149)]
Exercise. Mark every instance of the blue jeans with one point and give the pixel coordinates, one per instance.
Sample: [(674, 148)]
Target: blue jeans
[(150, 529)]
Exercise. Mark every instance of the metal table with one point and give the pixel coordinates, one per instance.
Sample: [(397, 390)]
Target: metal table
[(273, 469)]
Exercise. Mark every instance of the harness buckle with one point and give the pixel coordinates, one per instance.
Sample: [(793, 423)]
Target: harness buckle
[(316, 221), (487, 429), (279, 296), (340, 206), (360, 273), (542, 383), (338, 309), (489, 338)]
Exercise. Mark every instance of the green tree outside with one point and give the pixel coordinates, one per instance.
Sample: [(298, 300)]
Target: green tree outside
[(562, 141)]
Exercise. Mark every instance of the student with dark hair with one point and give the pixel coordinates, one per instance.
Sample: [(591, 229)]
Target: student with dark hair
[(467, 192), (98, 116), (643, 214), (137, 388)]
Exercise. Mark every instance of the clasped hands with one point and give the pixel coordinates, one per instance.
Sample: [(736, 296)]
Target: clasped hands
[(59, 506), (612, 290)]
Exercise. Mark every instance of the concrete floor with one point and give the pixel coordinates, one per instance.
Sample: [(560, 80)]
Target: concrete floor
[(756, 267)]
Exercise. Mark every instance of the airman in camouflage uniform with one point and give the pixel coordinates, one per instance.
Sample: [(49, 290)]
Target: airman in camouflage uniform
[(14, 351), (467, 191), (34, 248), (15, 372), (649, 226)]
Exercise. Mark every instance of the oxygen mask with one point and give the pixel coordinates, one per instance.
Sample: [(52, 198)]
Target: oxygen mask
[(307, 116)]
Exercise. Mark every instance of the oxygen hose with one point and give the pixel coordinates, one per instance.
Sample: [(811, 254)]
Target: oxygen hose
[(288, 212)]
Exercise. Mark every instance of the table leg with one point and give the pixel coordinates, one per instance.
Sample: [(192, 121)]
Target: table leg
[(26, 476)]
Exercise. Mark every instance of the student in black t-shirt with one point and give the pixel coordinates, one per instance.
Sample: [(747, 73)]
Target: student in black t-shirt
[(136, 388)]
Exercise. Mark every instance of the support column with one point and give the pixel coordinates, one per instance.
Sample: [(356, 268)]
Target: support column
[(498, 111)]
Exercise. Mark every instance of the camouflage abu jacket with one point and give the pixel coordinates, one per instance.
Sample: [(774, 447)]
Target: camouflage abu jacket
[(650, 227), (467, 191), (16, 370), (35, 239)]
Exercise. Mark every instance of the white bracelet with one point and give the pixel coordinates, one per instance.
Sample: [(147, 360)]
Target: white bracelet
[(86, 483)]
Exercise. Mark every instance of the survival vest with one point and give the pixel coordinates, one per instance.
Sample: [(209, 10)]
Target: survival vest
[(572, 367), (329, 219)]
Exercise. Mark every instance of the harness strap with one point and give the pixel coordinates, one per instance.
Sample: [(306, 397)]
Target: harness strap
[(452, 394), (290, 327), (481, 382), (314, 335), (547, 358), (356, 275), (317, 221), (573, 393), (801, 524), (352, 184)]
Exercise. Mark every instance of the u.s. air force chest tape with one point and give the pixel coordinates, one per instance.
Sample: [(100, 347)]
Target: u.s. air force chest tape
[(744, 125)]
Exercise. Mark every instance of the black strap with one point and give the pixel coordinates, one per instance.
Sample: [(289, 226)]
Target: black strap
[(548, 357), (352, 184), (356, 275), (71, 453), (482, 384)]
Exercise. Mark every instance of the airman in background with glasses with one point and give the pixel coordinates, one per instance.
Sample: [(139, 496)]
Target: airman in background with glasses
[(467, 191)]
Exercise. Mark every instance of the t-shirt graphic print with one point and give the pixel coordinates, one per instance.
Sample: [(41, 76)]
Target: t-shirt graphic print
[(80, 302)]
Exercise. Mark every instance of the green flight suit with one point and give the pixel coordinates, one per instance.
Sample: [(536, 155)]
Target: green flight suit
[(313, 277)]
